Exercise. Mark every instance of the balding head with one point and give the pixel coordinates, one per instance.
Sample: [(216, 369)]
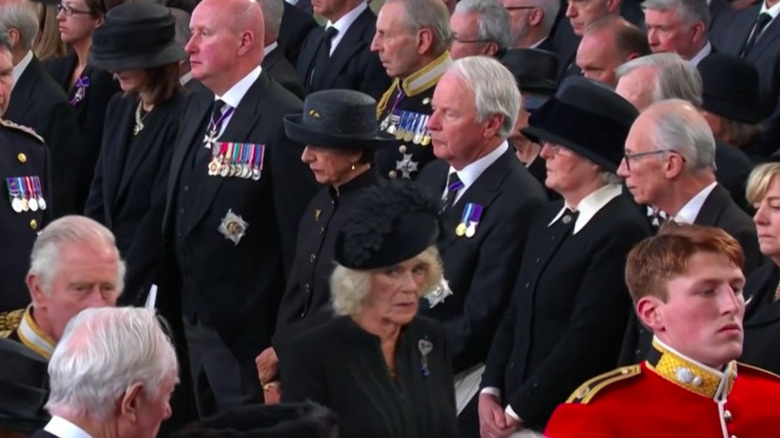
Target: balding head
[(227, 42)]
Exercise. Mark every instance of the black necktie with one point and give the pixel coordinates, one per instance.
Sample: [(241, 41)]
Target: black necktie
[(453, 185), (323, 56), (761, 22)]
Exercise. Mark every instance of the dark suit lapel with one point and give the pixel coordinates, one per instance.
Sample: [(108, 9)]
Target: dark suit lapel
[(350, 44), (238, 130), (307, 56), (713, 206), (768, 39), (22, 97), (189, 130)]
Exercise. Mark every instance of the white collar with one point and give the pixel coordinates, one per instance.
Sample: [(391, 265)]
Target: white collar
[(706, 50), (270, 48), (63, 428), (21, 67), (539, 43), (185, 78), (472, 171), (343, 24), (236, 92), (292, 2), (774, 11), (590, 205), (689, 212), (31, 335)]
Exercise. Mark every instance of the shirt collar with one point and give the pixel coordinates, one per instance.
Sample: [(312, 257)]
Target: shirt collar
[(539, 43), (687, 214), (343, 23), (33, 336), (590, 205), (63, 428), (270, 48), (21, 67), (774, 11), (185, 78), (426, 77), (691, 374), (234, 95), (706, 50), (472, 171)]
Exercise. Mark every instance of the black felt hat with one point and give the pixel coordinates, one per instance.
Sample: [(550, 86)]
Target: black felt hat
[(730, 88), (391, 223), (536, 73), (286, 420), (23, 387), (136, 36), (339, 119), (587, 117)]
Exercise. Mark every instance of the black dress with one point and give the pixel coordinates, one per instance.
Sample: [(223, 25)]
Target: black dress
[(341, 366), (89, 98), (762, 319)]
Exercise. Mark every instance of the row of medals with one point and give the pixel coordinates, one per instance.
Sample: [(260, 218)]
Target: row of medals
[(408, 126), (222, 168), (32, 203)]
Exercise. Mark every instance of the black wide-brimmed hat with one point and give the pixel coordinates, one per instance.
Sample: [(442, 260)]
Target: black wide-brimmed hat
[(536, 72), (730, 88), (338, 119), (587, 117), (23, 387), (136, 36), (391, 223)]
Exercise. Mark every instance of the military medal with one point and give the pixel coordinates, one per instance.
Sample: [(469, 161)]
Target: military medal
[(14, 193), (257, 162), (406, 165), (213, 128), (33, 197), (23, 196), (399, 131), (39, 191), (472, 213), (233, 227), (409, 129), (385, 124), (460, 230)]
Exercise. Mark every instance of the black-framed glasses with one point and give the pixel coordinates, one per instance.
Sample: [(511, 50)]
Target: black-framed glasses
[(69, 12), (628, 157), (519, 8)]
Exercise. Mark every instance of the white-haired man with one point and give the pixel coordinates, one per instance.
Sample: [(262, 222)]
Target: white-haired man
[(489, 198), (411, 38), (531, 22), (111, 376), (274, 60), (678, 26), (479, 27), (74, 265)]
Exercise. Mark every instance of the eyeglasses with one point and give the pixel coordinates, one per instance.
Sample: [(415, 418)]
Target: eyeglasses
[(518, 8), (69, 12), (628, 157)]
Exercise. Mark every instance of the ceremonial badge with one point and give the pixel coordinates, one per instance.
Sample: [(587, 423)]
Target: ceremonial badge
[(472, 213), (425, 347), (241, 160), (81, 90), (407, 165), (438, 294), (233, 227)]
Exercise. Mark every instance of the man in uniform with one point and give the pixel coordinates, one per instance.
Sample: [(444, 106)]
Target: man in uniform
[(411, 38), (24, 169), (74, 265), (686, 285)]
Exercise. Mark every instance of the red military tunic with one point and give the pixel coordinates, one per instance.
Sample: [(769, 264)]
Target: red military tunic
[(670, 396)]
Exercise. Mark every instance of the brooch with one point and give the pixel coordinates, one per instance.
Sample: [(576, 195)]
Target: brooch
[(425, 347), (438, 294), (81, 90), (233, 227)]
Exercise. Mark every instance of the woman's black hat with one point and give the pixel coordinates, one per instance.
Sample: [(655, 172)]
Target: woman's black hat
[(730, 88)]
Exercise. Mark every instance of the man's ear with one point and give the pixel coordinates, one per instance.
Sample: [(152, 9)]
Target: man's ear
[(37, 296), (648, 309), (130, 401)]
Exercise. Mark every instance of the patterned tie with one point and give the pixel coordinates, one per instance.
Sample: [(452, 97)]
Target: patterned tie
[(453, 185), (761, 22)]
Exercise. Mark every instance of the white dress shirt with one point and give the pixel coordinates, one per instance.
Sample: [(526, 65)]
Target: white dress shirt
[(706, 50), (63, 428), (21, 67), (471, 172), (687, 214)]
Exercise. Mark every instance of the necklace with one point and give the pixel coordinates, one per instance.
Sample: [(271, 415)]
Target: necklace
[(777, 292), (139, 119)]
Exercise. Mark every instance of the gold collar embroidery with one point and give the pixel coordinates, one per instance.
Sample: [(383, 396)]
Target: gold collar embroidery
[(33, 337)]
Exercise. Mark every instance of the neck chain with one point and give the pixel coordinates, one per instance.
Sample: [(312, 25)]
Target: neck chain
[(139, 119)]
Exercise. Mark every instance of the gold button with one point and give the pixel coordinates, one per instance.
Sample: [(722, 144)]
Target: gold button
[(402, 149), (21, 157), (33, 224), (392, 174)]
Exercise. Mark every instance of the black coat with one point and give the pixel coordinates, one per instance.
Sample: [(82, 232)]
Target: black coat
[(24, 154), (569, 307), (718, 210), (352, 65), (235, 288), (43, 434), (762, 319), (296, 26), (341, 366), (279, 68), (90, 113), (129, 189), (481, 270), (308, 286), (734, 167), (720, 17), (38, 101)]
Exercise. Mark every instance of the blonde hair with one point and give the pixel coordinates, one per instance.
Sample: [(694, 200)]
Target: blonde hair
[(350, 287), (759, 180), (48, 43)]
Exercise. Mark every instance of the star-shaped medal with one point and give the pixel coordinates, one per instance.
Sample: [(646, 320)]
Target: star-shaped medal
[(406, 166)]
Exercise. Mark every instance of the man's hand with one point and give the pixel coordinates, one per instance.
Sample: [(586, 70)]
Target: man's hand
[(267, 365), (272, 393), (492, 421)]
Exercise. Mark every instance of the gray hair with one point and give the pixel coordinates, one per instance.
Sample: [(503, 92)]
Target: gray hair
[(101, 354), (5, 39), (611, 178), (689, 11), (681, 127), (550, 9), (675, 77), (21, 17), (427, 14), (350, 287), (493, 21), (77, 230), (272, 16), (494, 87), (183, 32)]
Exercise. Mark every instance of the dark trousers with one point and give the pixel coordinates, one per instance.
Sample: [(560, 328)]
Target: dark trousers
[(468, 420), (221, 380)]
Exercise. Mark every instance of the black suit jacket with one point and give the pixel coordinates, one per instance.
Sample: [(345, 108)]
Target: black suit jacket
[(43, 434), (734, 167), (129, 189), (568, 310), (341, 366), (720, 17), (481, 270), (280, 70), (90, 113), (235, 287), (762, 319), (38, 102), (296, 26), (352, 66), (718, 210)]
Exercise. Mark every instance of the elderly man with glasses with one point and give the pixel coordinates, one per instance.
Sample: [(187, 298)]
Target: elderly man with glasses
[(479, 27), (531, 22)]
